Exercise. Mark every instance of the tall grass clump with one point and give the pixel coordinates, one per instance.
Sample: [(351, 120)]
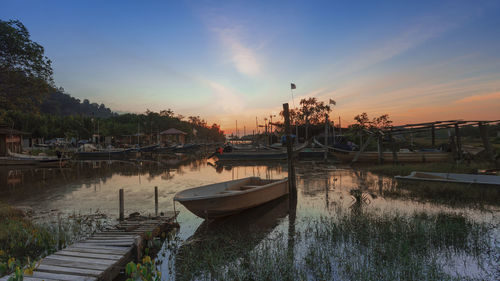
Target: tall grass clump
[(23, 241), (352, 244)]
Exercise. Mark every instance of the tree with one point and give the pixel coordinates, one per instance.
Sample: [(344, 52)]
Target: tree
[(25, 72)]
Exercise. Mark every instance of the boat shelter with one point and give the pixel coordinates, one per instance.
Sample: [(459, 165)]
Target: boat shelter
[(10, 139), (173, 135)]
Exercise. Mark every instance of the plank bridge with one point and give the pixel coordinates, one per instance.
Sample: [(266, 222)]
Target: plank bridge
[(103, 255)]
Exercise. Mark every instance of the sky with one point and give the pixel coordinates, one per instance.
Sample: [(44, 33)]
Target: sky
[(229, 61)]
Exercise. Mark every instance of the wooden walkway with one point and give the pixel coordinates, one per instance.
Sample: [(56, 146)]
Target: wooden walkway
[(103, 255)]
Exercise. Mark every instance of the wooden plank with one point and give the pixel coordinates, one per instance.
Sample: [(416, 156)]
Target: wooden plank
[(98, 251), (97, 246), (122, 244), (68, 270), (130, 241), (112, 236), (90, 255), (67, 263), (62, 277), (76, 259), (28, 278)]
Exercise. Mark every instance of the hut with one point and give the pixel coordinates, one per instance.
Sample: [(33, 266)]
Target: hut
[(173, 135), (10, 139)]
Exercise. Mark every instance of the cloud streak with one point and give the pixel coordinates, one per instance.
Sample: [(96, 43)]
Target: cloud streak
[(244, 58)]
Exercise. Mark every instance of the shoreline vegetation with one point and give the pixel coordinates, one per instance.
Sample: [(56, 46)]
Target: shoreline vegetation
[(351, 244), (23, 241)]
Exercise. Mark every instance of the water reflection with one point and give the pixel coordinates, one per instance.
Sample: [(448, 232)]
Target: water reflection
[(323, 190), (216, 243)]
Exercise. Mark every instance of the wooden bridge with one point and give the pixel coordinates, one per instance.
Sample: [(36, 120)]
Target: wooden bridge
[(103, 255)]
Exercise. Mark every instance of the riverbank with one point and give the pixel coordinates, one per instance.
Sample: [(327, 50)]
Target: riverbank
[(24, 241)]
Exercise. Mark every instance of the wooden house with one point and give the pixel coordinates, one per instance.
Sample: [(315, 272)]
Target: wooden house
[(10, 139), (173, 135)]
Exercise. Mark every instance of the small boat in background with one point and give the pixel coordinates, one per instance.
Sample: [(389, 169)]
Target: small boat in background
[(453, 178), (148, 148), (24, 159), (104, 154), (231, 197)]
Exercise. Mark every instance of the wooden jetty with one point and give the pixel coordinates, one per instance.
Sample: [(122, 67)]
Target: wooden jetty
[(103, 255)]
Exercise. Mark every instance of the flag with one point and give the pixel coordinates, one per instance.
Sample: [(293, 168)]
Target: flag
[(293, 86), (332, 102)]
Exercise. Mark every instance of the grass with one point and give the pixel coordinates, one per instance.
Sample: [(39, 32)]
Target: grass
[(23, 241), (352, 244)]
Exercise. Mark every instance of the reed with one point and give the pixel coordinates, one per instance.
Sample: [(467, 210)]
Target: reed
[(352, 244)]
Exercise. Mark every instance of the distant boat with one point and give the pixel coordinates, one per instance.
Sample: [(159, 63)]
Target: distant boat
[(148, 148), (23, 159), (231, 197), (423, 156), (258, 155), (453, 178), (103, 154)]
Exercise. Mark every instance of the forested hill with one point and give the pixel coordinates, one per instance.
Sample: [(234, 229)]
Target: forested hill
[(60, 103)]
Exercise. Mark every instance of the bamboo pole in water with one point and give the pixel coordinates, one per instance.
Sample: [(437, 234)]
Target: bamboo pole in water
[(289, 150), (122, 208)]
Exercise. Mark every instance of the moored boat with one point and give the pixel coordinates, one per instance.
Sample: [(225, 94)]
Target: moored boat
[(402, 157), (453, 178), (231, 197), (24, 159), (103, 154)]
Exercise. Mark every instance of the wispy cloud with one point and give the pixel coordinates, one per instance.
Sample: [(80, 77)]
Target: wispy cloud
[(227, 99), (243, 57), (480, 98)]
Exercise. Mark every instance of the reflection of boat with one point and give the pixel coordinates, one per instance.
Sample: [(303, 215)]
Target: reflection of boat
[(230, 237), (453, 178), (23, 159), (231, 197)]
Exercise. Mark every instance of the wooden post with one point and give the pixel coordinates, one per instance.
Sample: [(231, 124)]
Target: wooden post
[(394, 152), (380, 149), (122, 212), (326, 138), (458, 142), (433, 131), (483, 130), (361, 149), (156, 200), (291, 172)]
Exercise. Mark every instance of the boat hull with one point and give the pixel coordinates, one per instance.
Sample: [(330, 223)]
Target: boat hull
[(251, 156), (221, 206), (6, 161), (403, 157), (453, 178)]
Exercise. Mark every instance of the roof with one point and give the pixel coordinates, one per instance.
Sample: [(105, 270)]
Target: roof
[(173, 131), (6, 130)]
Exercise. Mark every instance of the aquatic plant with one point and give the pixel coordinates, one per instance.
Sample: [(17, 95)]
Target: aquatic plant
[(23, 241), (352, 244)]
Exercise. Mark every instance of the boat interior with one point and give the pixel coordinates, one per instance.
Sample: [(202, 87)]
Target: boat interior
[(223, 188)]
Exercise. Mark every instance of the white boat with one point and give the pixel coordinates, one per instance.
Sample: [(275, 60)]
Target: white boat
[(453, 178), (231, 197)]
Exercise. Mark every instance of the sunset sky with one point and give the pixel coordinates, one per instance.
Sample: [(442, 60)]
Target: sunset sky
[(235, 60)]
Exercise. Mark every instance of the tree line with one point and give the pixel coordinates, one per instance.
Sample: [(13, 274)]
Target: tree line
[(31, 102)]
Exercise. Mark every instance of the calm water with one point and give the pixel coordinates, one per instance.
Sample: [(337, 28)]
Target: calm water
[(322, 191)]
